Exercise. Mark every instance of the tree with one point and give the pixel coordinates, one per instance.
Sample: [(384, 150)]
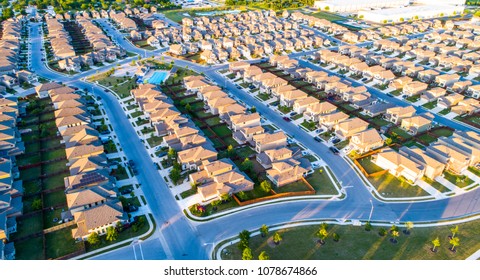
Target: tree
[(394, 234), (247, 165), (409, 226), (175, 175), (454, 230), (247, 254), (435, 243), (388, 141), (277, 238), (324, 226), (264, 230), (112, 234), (322, 234), (401, 19), (384, 21), (225, 197), (266, 186), (382, 232), (188, 107), (336, 237), (368, 226), (253, 109), (230, 151), (263, 256), (244, 236), (172, 154), (455, 241), (393, 228), (37, 204), (327, 8), (93, 239)]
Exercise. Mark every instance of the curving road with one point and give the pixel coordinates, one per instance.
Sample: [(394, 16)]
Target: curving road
[(185, 239)]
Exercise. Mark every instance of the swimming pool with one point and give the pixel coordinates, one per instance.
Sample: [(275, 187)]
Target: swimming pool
[(158, 77)]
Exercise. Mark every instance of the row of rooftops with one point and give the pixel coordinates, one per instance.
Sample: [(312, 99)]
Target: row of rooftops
[(10, 191), (10, 45), (59, 39), (90, 193)]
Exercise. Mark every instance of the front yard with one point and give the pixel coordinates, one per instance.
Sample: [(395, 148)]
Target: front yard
[(390, 186), (460, 181), (322, 184)]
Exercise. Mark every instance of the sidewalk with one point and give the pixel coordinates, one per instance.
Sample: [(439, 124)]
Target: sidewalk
[(431, 190), (449, 185)]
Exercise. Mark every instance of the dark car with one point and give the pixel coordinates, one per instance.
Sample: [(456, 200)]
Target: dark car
[(126, 191), (43, 59), (318, 139), (293, 113), (287, 119), (131, 163), (106, 90), (334, 150), (335, 141), (239, 87)]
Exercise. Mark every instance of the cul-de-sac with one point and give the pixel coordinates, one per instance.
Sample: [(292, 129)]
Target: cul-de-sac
[(240, 130)]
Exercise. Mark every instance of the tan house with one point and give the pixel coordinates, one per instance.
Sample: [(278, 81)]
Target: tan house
[(397, 114), (314, 111), (192, 158), (301, 105), (285, 172), (416, 124), (288, 98), (349, 127), (399, 165), (455, 159), (366, 141), (332, 119), (450, 100), (245, 135), (242, 121), (414, 88), (447, 80), (83, 151), (433, 168), (267, 141), (97, 219)]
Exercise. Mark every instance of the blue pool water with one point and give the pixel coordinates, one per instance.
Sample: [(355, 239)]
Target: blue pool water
[(157, 77)]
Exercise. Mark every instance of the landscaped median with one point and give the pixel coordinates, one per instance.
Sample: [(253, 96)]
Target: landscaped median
[(330, 240)]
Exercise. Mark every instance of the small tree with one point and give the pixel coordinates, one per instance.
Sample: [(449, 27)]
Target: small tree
[(247, 165), (175, 175), (230, 151), (327, 8), (93, 239), (455, 241), (324, 226), (388, 141), (266, 186), (454, 230), (394, 234), (264, 230), (336, 237), (277, 238), (253, 109), (37, 204), (393, 228), (112, 234), (172, 154), (263, 256), (244, 236), (368, 226), (188, 107), (247, 254), (382, 232), (435, 243), (409, 227), (322, 234)]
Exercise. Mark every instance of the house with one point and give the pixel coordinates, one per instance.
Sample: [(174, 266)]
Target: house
[(25, 76), (97, 219), (314, 111), (83, 151), (245, 135), (414, 88), (218, 178), (332, 119), (366, 141), (192, 158), (416, 124), (88, 198), (474, 91), (427, 76), (242, 121), (466, 106), (267, 141), (289, 97), (377, 109), (433, 168), (301, 105), (446, 80), (268, 157), (433, 94), (399, 165), (285, 172), (455, 160), (400, 83), (42, 90), (349, 127), (177, 49), (450, 100), (397, 114)]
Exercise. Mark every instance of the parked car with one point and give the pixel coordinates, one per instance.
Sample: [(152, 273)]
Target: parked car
[(334, 150), (335, 141), (318, 139), (287, 119), (131, 163), (239, 87), (293, 114)]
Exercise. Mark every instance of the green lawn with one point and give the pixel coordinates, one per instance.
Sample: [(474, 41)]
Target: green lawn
[(460, 181), (60, 243), (188, 193), (30, 159), (264, 96), (222, 131), (120, 173), (439, 187), (427, 138), (30, 173), (54, 198), (123, 90), (390, 186), (244, 152), (32, 186), (54, 181), (154, 141), (285, 109), (54, 167), (48, 217), (54, 154), (413, 98), (309, 125), (443, 132), (30, 225), (474, 170), (311, 158), (342, 144), (300, 243), (430, 105), (213, 121), (136, 114), (297, 116), (402, 133), (297, 186), (322, 184), (368, 165), (445, 111), (378, 121), (29, 249)]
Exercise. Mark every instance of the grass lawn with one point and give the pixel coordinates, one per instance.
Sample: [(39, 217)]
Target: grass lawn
[(342, 144), (460, 181), (244, 152), (53, 167), (264, 96), (443, 132), (427, 138), (136, 114), (60, 243), (32, 148), (309, 125), (29, 249), (430, 105), (188, 193), (402, 133), (474, 170), (120, 173), (311, 158), (54, 181), (30, 225), (300, 243), (213, 121), (445, 111), (297, 186), (413, 98), (441, 188), (30, 159), (54, 198), (54, 154), (390, 186), (32, 186), (285, 109), (48, 217), (209, 209), (368, 165), (321, 182), (297, 116), (30, 173), (154, 141), (379, 121), (222, 131)]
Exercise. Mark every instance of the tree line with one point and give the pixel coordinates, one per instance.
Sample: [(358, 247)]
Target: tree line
[(272, 4)]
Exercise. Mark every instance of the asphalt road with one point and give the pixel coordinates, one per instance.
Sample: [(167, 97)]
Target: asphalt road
[(184, 239)]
